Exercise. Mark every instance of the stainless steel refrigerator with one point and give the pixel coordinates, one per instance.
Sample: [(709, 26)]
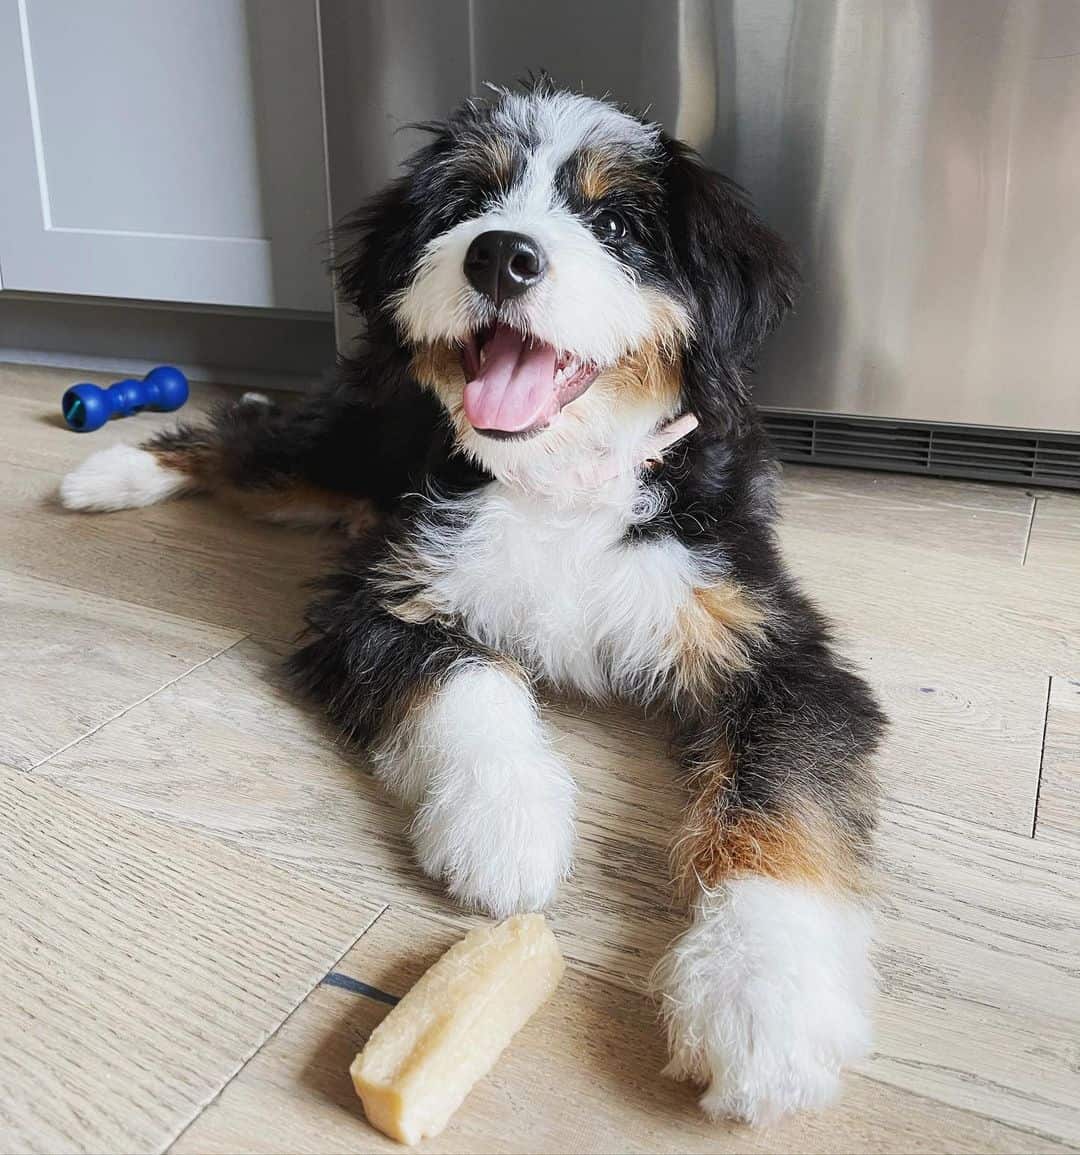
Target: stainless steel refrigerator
[(922, 156)]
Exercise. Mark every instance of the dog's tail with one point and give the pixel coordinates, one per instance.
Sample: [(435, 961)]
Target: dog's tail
[(251, 453)]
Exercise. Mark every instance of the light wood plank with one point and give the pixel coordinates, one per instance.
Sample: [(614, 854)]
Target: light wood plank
[(868, 509), (35, 433), (964, 738), (936, 603), (1059, 792), (979, 931), (139, 968), (979, 941), (581, 1076), (70, 660), (990, 910), (191, 557), (266, 774), (1055, 535)]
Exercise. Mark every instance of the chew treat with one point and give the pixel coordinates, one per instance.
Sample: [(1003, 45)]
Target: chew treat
[(423, 1058)]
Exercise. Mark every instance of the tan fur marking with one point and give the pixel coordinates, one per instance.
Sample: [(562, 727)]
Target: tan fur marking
[(489, 158), (652, 373), (397, 578), (298, 502), (717, 842), (303, 504), (601, 170), (415, 610), (196, 461), (438, 366), (597, 174), (501, 158), (715, 630)]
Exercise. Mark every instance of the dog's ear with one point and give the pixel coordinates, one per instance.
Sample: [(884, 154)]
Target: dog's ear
[(740, 279), (372, 252), (377, 246)]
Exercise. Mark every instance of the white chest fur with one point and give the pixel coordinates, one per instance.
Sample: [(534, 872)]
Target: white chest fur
[(559, 588)]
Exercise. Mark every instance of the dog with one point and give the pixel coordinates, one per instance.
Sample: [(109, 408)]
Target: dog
[(547, 461)]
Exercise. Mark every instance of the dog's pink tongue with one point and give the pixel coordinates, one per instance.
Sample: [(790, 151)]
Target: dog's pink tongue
[(515, 388)]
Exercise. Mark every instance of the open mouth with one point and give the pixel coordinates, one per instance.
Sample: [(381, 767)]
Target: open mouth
[(517, 385)]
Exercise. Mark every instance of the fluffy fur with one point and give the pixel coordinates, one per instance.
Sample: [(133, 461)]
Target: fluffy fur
[(767, 996), (473, 747), (564, 553), (590, 303), (121, 477), (562, 588)]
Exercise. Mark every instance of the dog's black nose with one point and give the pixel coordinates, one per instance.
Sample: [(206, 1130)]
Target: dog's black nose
[(502, 265)]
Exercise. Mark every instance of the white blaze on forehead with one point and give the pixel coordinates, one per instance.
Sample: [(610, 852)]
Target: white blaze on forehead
[(558, 126), (571, 117), (588, 303), (565, 123)]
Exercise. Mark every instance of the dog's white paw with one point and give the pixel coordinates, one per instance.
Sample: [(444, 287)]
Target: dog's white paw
[(501, 852), (495, 806), (120, 477), (766, 997)]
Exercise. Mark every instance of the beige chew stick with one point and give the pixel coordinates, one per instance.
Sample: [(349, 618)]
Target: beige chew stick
[(424, 1057)]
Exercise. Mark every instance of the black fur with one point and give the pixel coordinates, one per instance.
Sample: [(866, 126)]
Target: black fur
[(739, 277), (376, 434)]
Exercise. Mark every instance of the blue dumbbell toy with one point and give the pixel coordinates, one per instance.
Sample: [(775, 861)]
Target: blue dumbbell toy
[(87, 407)]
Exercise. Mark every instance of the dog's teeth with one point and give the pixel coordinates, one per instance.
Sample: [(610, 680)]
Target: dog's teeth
[(483, 355)]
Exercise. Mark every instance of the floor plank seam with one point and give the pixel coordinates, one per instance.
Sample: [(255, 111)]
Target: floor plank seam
[(1038, 1132), (1042, 756), (257, 1049), (891, 803), (131, 705), (1030, 526)]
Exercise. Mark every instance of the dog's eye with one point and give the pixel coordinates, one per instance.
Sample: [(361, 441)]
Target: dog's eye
[(609, 226)]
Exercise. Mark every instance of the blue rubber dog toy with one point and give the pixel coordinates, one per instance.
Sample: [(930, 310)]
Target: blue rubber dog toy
[(87, 407)]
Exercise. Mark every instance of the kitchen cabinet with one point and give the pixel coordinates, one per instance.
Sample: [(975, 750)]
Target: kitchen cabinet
[(164, 150)]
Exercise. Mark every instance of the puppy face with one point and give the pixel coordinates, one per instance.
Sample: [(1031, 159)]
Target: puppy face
[(560, 271)]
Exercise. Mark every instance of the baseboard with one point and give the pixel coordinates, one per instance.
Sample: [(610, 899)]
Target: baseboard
[(242, 347)]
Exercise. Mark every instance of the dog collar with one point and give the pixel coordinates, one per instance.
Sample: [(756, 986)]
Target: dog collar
[(652, 449)]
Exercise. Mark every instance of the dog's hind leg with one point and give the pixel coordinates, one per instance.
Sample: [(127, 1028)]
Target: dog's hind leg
[(255, 458), (331, 459), (185, 459)]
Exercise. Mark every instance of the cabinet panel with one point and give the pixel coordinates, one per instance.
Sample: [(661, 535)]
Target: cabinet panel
[(156, 149)]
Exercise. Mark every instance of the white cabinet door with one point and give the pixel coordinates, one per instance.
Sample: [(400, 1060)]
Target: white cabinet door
[(163, 150)]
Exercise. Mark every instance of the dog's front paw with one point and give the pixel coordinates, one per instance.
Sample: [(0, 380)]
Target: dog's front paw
[(500, 851), (766, 997)]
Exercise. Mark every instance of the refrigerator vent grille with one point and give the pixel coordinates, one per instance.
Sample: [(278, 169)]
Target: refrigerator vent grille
[(971, 451)]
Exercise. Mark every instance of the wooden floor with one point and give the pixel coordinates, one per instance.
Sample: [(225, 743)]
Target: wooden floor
[(205, 901)]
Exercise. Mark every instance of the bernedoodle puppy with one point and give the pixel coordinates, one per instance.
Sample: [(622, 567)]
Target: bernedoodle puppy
[(546, 457)]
